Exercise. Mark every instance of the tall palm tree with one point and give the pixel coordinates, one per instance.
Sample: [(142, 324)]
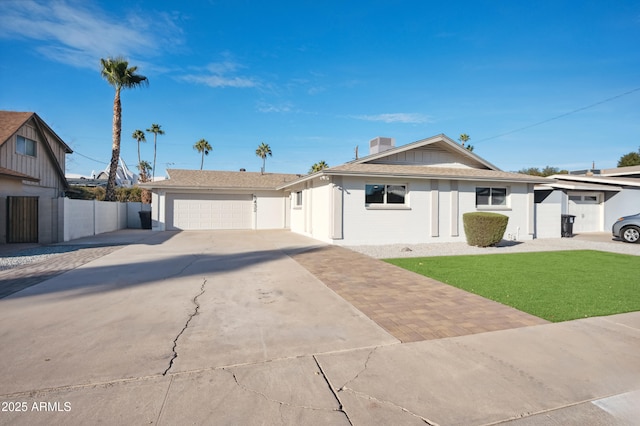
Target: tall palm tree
[(155, 129), (464, 138), (262, 152), (119, 75), (321, 165), (203, 147), (139, 136)]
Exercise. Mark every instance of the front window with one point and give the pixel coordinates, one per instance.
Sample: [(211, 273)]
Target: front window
[(385, 194), (298, 199), (491, 196), (25, 146)]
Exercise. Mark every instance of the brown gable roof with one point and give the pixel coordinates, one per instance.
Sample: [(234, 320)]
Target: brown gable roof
[(180, 178), (10, 122)]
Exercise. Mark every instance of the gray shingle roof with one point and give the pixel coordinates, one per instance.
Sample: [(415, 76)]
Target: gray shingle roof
[(432, 172), (180, 178)]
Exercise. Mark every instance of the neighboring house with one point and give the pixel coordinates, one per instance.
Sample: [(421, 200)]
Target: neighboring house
[(597, 198), (416, 193), (32, 165), (124, 177), (204, 199)]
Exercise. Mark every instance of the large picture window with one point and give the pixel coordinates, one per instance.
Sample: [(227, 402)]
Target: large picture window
[(25, 146), (385, 194), (491, 196)]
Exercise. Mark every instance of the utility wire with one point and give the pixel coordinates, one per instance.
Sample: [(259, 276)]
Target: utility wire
[(561, 115), (89, 158)]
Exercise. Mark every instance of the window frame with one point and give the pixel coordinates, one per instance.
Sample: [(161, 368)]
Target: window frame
[(297, 199), (26, 143), (387, 189), (503, 191)]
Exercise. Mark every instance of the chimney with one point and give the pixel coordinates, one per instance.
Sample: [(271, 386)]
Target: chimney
[(381, 144), (243, 170)]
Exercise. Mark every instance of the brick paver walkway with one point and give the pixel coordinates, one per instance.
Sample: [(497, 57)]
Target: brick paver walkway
[(18, 278), (409, 306)]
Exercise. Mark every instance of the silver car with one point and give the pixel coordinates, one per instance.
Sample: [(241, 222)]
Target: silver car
[(627, 228)]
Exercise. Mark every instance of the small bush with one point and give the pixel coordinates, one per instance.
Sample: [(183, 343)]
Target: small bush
[(484, 229), (86, 193)]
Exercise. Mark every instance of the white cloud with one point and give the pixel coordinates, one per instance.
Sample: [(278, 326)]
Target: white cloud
[(220, 74), (265, 107), (79, 34), (411, 118)]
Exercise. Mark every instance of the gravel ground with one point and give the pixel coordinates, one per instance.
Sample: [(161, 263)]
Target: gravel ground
[(36, 254), (462, 248)]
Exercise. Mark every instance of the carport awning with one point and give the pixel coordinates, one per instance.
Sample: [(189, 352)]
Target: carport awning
[(578, 186)]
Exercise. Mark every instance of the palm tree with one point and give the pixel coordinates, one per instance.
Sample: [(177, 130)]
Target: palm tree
[(321, 165), (118, 74), (145, 168), (155, 129), (262, 152), (203, 147), (464, 138), (138, 135)]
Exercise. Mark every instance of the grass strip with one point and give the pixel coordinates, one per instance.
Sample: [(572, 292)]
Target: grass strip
[(557, 286)]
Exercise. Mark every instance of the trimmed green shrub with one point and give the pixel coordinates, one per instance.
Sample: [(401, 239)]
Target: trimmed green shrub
[(484, 229)]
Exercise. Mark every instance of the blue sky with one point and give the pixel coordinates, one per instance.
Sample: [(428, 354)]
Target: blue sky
[(315, 79)]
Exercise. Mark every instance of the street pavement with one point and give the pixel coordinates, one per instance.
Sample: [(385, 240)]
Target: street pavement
[(226, 327)]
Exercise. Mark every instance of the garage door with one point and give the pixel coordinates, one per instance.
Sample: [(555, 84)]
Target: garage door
[(211, 211), (586, 207)]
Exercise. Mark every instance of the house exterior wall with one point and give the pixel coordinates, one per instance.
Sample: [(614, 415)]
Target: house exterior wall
[(271, 212), (548, 216), (41, 165), (428, 155), (433, 212), (618, 204), (520, 208)]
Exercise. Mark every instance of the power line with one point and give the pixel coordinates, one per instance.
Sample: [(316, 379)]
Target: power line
[(89, 158), (562, 115)]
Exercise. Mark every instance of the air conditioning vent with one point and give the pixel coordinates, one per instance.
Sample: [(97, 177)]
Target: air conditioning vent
[(381, 144)]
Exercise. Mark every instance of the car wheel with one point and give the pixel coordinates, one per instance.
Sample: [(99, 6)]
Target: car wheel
[(631, 234)]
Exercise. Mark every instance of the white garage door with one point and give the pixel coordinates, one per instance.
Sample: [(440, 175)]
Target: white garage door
[(586, 207), (211, 211)]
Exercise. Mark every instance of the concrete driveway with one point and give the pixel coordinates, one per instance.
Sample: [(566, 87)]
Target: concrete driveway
[(225, 327)]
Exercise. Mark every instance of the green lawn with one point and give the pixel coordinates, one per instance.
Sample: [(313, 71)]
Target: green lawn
[(556, 286)]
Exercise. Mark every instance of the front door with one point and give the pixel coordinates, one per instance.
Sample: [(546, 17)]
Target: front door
[(22, 219)]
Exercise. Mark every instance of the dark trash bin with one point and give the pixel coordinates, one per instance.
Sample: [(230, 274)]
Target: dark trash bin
[(567, 225), (145, 219)]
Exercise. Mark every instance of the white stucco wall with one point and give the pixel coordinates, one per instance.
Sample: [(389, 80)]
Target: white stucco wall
[(618, 204), (548, 216), (433, 212), (270, 210), (520, 208)]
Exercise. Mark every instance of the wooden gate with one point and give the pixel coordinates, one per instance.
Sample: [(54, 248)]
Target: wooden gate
[(22, 219)]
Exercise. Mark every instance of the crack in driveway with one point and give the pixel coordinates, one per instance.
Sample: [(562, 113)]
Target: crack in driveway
[(186, 325), (288, 404)]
